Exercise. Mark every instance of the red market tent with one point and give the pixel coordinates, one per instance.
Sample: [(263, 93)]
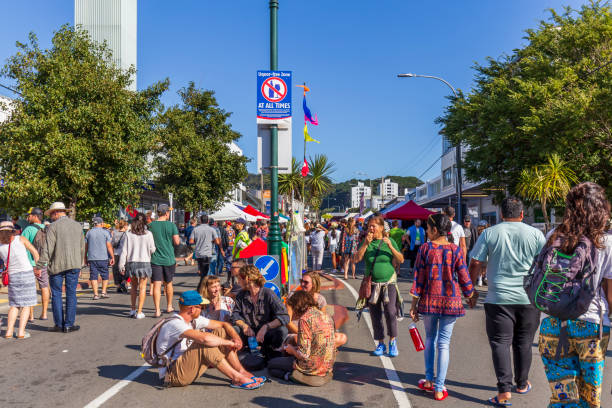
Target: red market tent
[(409, 211), (258, 247), (252, 211)]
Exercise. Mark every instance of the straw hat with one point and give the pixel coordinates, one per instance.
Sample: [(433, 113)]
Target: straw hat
[(6, 226), (56, 206)]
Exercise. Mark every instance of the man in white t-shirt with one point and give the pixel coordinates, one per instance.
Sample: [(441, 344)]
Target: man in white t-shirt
[(193, 350), (456, 231)]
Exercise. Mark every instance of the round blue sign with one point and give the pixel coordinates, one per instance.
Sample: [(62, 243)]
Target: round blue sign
[(272, 286), (268, 266)]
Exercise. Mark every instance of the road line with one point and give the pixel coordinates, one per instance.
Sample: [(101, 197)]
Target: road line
[(108, 394), (394, 381)]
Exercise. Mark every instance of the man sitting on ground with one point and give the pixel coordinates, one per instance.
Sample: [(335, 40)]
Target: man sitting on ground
[(199, 350)]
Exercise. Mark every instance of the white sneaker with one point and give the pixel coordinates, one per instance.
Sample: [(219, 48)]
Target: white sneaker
[(479, 281), (139, 316), (132, 313)]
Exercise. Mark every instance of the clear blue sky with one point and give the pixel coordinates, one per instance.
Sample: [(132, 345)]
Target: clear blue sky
[(348, 52)]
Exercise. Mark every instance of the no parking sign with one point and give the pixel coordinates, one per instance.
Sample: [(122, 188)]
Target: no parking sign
[(273, 95)]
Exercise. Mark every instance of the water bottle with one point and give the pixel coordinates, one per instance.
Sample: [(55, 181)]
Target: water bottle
[(253, 344), (416, 337)]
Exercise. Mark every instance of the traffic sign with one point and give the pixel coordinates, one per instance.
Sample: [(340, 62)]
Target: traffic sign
[(272, 286), (273, 96), (268, 266)]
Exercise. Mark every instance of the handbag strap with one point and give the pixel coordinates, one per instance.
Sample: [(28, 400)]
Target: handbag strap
[(8, 257), (374, 261)]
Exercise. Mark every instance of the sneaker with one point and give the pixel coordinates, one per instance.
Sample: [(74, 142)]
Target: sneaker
[(393, 351), (95, 297), (380, 349), (132, 313), (139, 316), (479, 283)]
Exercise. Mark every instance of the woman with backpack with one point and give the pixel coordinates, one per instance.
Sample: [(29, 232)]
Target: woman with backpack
[(440, 276), (575, 373), (135, 261)]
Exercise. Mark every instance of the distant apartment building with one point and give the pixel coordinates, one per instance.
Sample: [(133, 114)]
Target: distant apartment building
[(388, 189), (113, 21), (356, 193)]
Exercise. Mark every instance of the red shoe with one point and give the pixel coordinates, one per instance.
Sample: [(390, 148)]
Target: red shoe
[(422, 386), (444, 395)]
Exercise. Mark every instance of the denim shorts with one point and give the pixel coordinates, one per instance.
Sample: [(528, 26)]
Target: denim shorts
[(98, 268)]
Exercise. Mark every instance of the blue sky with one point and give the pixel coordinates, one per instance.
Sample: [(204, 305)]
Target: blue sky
[(347, 51)]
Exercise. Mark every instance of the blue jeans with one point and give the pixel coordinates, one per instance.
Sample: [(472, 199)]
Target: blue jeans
[(220, 261), (438, 332), (212, 270), (56, 282)]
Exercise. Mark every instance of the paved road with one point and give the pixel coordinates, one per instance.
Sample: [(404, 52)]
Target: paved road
[(72, 370)]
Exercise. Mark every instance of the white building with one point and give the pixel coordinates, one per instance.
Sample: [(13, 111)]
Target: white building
[(356, 193), (388, 189), (239, 192), (113, 21)]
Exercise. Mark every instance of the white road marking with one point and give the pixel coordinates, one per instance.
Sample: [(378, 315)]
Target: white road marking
[(394, 381), (108, 394)]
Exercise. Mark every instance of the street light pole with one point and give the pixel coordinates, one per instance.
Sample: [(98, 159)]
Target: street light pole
[(274, 238), (457, 148)]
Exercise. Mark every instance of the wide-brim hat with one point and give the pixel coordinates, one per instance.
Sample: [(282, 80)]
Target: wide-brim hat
[(56, 206), (6, 226)]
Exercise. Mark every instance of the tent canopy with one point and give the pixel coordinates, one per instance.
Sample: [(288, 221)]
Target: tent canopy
[(230, 212), (252, 211), (409, 211)]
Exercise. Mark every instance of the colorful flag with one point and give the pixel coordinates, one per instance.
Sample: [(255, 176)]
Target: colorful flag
[(361, 203), (305, 168), (284, 266), (308, 114), (307, 136)]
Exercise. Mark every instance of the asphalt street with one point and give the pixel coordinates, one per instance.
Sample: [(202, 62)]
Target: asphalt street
[(100, 365)]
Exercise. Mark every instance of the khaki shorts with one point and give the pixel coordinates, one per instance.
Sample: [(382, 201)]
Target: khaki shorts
[(43, 279)]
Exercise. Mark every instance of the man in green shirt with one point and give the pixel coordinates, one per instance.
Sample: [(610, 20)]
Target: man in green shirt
[(34, 218), (163, 262)]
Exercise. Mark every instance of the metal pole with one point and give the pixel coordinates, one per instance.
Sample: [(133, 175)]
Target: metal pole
[(459, 183), (262, 207), (274, 238)]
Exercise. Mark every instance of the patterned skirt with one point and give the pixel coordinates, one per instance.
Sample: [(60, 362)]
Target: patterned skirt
[(22, 289), (138, 269)]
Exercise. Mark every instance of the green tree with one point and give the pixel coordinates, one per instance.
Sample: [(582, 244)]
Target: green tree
[(547, 183), (318, 181), (291, 183), (76, 134), (193, 159), (552, 96)]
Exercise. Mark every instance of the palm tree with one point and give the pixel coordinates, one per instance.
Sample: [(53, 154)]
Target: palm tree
[(291, 182), (547, 183), (318, 181)]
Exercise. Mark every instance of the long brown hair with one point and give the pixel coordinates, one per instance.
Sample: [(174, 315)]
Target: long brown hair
[(587, 212), (316, 281), (300, 302), (250, 273), (350, 228), (139, 224)]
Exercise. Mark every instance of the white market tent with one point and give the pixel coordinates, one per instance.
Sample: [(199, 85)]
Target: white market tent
[(229, 212)]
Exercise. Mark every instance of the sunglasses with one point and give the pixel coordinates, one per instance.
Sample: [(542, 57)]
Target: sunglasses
[(304, 282)]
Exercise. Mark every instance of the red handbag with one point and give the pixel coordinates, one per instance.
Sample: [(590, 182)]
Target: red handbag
[(5, 275)]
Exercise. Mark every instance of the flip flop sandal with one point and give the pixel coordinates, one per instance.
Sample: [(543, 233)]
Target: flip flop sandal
[(497, 403), (26, 335), (263, 379), (444, 395), (96, 297), (422, 386), (43, 318), (245, 386), (525, 391)]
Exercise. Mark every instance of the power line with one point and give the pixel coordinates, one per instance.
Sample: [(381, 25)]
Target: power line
[(429, 168)]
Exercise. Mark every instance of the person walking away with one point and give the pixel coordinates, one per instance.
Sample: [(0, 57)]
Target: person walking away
[(223, 237), (317, 247), (63, 255), (413, 239), (440, 276), (310, 360), (188, 231), (242, 239), (35, 233), (100, 255), (381, 254), (471, 235), (163, 263), (332, 239), (576, 374), (22, 287), (456, 231), (508, 250), (218, 251), (135, 262), (204, 237), (348, 247), (192, 350), (396, 234), (117, 243)]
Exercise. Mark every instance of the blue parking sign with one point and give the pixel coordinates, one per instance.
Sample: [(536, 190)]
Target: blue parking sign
[(273, 94)]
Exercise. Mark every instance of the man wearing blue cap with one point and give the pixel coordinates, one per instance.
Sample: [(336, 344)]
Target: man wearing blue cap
[(193, 350)]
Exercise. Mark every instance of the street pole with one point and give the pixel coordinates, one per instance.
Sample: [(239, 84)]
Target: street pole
[(459, 183), (274, 237)]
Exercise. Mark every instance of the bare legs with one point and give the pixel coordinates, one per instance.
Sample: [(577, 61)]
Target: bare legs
[(139, 289), (12, 318)]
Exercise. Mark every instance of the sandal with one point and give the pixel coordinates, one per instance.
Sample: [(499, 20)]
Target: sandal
[(104, 296), (422, 386), (26, 335), (444, 395), (245, 386), (497, 403), (95, 297), (524, 391)]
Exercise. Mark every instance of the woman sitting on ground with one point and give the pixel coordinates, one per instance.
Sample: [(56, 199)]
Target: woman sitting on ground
[(311, 361), (220, 307), (259, 313)]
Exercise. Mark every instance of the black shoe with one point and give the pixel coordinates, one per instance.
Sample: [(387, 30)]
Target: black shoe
[(55, 329), (71, 328)]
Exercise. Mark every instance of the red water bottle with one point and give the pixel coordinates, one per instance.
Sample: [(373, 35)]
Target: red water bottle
[(416, 337)]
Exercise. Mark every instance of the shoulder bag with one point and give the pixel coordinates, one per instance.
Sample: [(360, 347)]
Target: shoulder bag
[(5, 274), (365, 290)]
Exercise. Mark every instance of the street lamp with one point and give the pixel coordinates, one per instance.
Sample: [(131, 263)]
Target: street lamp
[(457, 148)]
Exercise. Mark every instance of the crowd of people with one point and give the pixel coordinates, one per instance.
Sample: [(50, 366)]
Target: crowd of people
[(240, 326)]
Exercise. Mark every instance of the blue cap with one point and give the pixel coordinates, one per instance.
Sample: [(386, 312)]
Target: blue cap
[(240, 221), (192, 298)]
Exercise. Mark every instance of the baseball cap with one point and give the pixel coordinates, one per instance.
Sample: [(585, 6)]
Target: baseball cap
[(467, 218), (240, 221), (97, 220), (482, 223), (163, 208), (192, 298), (35, 211)]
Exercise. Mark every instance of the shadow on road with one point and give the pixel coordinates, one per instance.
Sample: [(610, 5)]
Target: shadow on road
[(306, 400), (120, 371)]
